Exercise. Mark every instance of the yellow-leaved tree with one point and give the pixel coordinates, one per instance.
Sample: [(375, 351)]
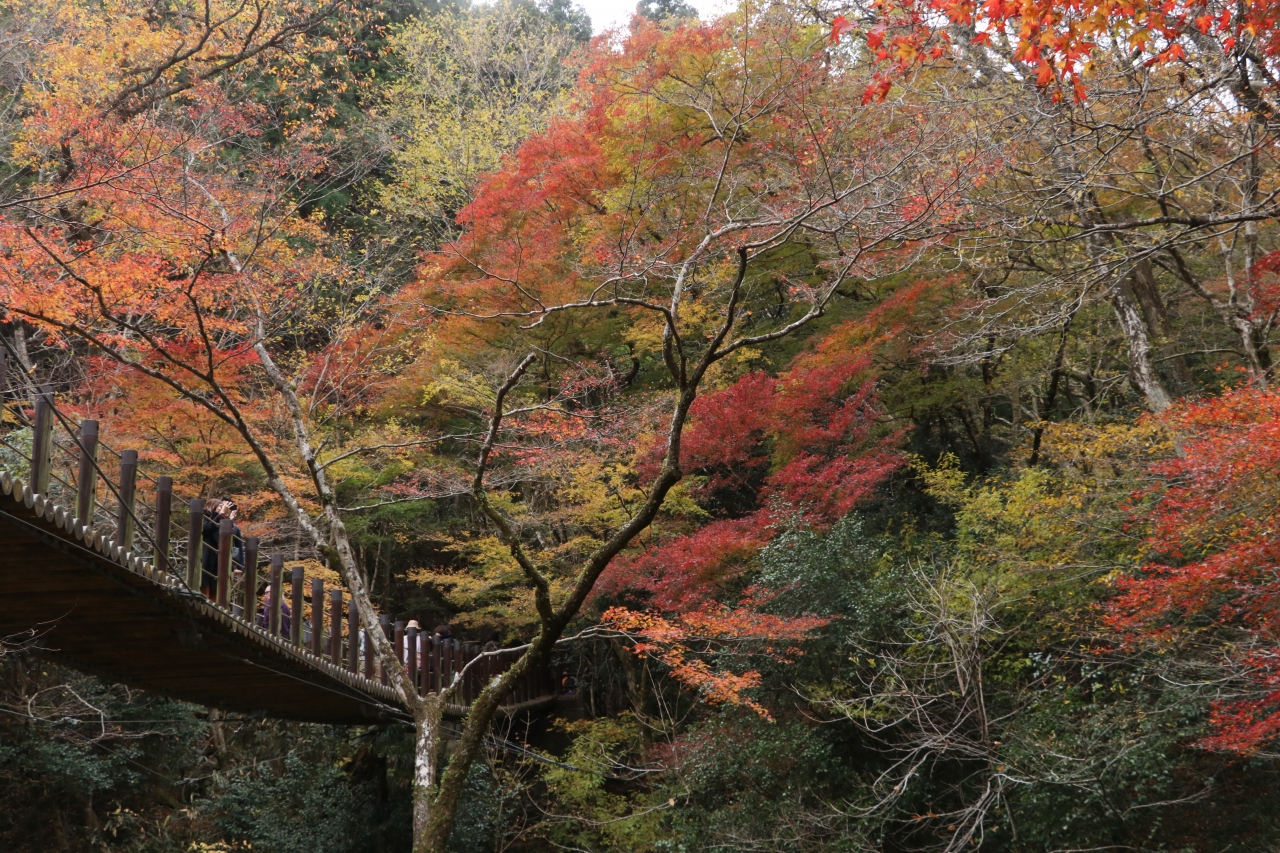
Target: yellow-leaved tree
[(474, 85)]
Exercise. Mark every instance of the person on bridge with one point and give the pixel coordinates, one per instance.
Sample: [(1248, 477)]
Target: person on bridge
[(286, 615), (421, 640), (214, 513)]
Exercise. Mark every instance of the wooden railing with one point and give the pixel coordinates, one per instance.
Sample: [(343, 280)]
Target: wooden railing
[(65, 464)]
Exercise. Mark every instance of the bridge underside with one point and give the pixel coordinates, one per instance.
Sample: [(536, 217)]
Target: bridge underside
[(109, 615)]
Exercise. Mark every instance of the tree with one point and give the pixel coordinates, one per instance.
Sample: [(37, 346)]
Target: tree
[(474, 84), (1097, 198), (702, 225), (661, 10), (1211, 582), (704, 165), (769, 453)]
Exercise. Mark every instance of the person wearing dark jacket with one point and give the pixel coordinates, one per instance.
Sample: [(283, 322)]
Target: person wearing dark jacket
[(214, 513)]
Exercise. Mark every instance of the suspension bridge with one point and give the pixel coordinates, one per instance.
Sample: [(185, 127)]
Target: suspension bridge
[(100, 569)]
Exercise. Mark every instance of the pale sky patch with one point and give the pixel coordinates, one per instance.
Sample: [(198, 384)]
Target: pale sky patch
[(616, 13)]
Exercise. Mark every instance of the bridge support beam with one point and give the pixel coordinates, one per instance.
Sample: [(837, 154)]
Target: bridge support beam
[(295, 624), (335, 626), (317, 616), (225, 533), (250, 605), (273, 613), (353, 637)]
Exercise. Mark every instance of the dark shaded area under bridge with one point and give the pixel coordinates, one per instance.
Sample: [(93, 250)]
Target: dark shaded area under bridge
[(106, 612)]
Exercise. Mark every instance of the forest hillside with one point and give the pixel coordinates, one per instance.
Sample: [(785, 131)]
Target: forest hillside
[(865, 411)]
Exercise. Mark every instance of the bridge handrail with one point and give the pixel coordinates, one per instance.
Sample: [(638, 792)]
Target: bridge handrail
[(436, 664)]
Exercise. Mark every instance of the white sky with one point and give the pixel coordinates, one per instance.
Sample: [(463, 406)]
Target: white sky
[(610, 13)]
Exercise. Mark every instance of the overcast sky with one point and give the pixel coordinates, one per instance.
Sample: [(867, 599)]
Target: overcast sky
[(609, 13)]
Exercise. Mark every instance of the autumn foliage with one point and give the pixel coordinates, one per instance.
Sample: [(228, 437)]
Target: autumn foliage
[(789, 362), (714, 629), (1216, 553), (800, 448), (1053, 41)]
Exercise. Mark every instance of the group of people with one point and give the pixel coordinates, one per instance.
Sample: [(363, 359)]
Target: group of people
[(440, 633)]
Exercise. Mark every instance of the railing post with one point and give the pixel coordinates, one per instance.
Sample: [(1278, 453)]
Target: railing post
[(295, 618), (455, 677), (164, 505), (273, 614), (399, 641), (411, 654), (446, 664), (42, 441), (225, 533), (195, 541), (250, 606), (424, 664), (87, 474), (128, 484), (353, 636), (437, 662), (464, 689), (317, 616), (368, 650), (473, 676), (335, 626), (384, 623)]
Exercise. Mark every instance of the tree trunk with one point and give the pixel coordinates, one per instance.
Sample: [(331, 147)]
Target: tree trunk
[(1142, 367), (426, 756), (433, 836), (1147, 290)]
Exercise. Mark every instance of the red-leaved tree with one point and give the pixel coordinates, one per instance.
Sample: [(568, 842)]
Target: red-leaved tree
[(801, 447), (1215, 573)]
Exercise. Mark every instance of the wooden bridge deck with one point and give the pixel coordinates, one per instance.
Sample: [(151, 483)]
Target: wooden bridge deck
[(111, 614)]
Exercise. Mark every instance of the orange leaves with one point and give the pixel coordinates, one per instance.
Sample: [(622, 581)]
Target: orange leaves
[(642, 177), (841, 25), (713, 629), (1054, 40), (163, 219), (122, 57)]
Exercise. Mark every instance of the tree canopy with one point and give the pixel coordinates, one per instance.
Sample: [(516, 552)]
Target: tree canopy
[(867, 412)]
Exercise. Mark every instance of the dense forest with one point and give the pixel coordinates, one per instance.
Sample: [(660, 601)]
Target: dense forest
[(865, 410)]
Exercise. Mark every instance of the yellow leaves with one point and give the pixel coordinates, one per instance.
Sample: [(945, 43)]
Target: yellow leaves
[(945, 481), (475, 85), (454, 385), (1059, 521), (644, 334), (602, 495), (1085, 445), (101, 52), (681, 503)]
